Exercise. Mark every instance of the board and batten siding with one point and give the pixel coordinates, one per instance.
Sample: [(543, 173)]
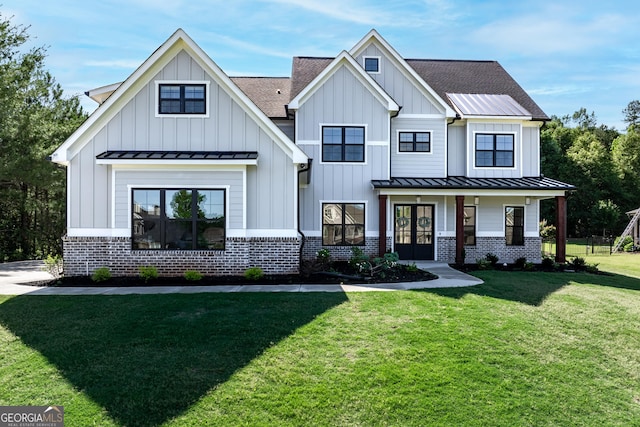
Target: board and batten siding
[(125, 180), (270, 192), (396, 84), (494, 172), (490, 214), (419, 165), (342, 99), (531, 150), (339, 182), (456, 151)]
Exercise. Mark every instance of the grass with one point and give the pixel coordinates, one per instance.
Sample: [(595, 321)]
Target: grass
[(522, 349), (621, 262)]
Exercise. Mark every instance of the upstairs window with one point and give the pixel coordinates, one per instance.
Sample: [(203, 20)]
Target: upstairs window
[(419, 142), (514, 225), (494, 150), (342, 144), (372, 64), (182, 99)]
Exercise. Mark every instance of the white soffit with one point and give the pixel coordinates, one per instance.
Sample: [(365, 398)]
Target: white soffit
[(485, 105)]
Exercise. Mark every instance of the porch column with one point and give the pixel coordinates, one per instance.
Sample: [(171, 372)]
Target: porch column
[(382, 224), (561, 229), (459, 229)]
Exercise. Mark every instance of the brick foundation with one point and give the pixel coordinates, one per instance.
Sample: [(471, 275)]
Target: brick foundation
[(340, 253), (532, 249), (82, 255)]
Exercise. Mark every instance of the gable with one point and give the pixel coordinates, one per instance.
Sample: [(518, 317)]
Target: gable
[(179, 58)]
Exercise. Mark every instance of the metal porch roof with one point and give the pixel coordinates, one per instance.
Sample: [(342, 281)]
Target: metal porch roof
[(178, 155), (460, 183)]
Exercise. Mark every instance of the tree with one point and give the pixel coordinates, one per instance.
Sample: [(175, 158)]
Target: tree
[(35, 118), (632, 114)]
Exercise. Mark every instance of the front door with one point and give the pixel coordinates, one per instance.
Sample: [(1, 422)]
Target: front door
[(414, 231)]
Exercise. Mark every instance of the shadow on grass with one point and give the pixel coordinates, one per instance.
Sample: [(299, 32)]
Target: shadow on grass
[(148, 358), (533, 287)]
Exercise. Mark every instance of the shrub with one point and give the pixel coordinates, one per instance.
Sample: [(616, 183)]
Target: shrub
[(548, 264), (528, 266), (253, 273), (53, 265), (628, 247), (148, 273), (492, 258), (592, 268), (625, 242), (483, 264), (578, 264), (521, 263), (412, 268), (101, 274), (192, 275)]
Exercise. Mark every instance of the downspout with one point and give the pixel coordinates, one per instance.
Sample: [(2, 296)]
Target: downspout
[(303, 168)]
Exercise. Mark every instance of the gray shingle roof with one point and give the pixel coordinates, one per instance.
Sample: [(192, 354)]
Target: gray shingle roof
[(304, 70), (270, 94), (459, 183)]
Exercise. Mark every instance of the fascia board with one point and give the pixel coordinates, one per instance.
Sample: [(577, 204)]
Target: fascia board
[(373, 34), (359, 72), (547, 193)]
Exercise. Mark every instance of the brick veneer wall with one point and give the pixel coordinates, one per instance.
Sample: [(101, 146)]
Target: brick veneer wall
[(532, 249), (340, 253), (82, 255)]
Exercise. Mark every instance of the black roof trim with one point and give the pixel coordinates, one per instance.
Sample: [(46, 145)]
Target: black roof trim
[(460, 182), (178, 155)]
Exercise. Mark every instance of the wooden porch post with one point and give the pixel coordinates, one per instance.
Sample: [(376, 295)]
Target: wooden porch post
[(561, 229), (382, 224), (459, 229)]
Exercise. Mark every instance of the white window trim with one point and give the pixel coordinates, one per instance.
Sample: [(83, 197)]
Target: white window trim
[(402, 153), (207, 99), (366, 143), (351, 202), (364, 61), (517, 144)]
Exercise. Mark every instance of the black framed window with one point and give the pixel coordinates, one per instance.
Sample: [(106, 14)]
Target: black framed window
[(470, 225), (174, 219), (371, 65), (414, 142), (343, 224), (343, 144), (182, 99), (514, 225), (494, 150)]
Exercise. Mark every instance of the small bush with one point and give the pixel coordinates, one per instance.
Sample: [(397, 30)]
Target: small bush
[(53, 265), (253, 273), (578, 264), (192, 275), (148, 273), (625, 242), (412, 268), (548, 264), (528, 266), (101, 274), (492, 258), (483, 264), (629, 247), (521, 263), (592, 268)]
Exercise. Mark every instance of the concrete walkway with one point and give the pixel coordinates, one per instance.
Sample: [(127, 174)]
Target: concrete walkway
[(15, 275)]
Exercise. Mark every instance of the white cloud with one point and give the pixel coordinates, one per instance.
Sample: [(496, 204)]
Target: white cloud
[(115, 63)]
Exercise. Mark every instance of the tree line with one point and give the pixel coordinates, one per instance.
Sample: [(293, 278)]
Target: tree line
[(35, 118)]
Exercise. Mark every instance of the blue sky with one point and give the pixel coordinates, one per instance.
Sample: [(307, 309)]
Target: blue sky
[(566, 54)]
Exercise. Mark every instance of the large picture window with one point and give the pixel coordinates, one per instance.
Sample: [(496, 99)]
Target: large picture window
[(182, 99), (171, 219), (342, 224), (342, 144), (470, 225), (414, 142), (514, 225), (494, 150)]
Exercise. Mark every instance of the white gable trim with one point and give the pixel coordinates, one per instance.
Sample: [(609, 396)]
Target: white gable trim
[(344, 59), (144, 74), (409, 72)]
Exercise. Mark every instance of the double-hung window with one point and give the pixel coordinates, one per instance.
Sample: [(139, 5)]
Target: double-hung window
[(343, 144), (494, 150), (182, 99), (514, 225), (342, 224), (419, 142), (175, 219)]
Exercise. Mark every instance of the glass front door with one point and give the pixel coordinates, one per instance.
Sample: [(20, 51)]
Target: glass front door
[(413, 231)]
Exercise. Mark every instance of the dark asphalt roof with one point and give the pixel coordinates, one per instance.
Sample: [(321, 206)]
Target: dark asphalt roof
[(178, 155), (459, 183)]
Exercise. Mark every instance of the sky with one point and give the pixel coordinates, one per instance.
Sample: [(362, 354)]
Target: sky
[(566, 54)]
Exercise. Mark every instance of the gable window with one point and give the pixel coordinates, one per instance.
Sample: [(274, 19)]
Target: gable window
[(514, 225), (414, 142), (343, 224), (494, 150), (182, 99), (371, 64), (342, 144), (470, 225), (178, 219)]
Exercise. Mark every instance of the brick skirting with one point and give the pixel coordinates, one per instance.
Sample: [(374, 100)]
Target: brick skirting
[(340, 253), (83, 255), (532, 250)]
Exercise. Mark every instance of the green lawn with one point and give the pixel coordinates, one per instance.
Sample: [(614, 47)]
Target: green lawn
[(523, 349)]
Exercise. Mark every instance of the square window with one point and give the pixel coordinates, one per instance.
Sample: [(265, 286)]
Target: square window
[(342, 144), (494, 150), (371, 65)]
